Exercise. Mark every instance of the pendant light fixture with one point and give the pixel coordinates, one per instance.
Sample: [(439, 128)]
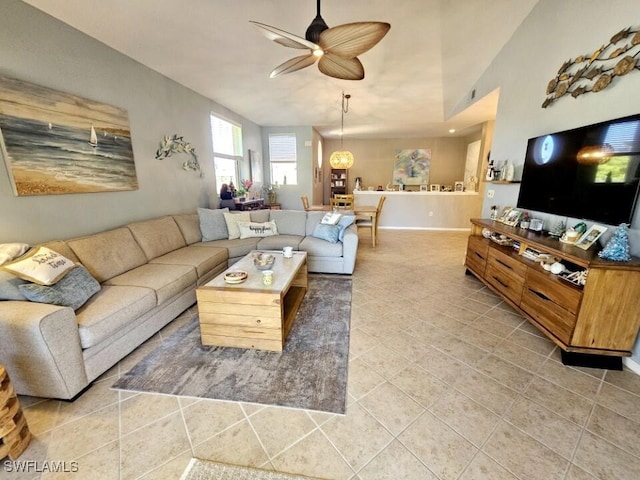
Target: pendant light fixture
[(342, 158)]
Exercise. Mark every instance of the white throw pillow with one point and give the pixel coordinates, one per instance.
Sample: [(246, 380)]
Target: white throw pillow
[(40, 265), (232, 220), (331, 218), (257, 230), (10, 251)]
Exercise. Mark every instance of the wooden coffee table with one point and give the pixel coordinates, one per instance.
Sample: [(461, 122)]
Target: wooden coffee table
[(250, 314), (14, 431)]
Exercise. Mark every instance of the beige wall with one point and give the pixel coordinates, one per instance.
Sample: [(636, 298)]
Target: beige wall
[(374, 159)]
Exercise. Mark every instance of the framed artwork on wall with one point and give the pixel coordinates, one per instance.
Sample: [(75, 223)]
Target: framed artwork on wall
[(57, 143), (255, 160), (412, 167)]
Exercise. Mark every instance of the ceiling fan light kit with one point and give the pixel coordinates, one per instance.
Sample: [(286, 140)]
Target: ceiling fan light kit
[(335, 49), (342, 158)]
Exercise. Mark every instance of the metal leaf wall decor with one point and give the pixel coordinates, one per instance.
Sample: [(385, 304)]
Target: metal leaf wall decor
[(176, 144), (595, 71)]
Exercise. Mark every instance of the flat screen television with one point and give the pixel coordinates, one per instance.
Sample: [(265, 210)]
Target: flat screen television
[(590, 173)]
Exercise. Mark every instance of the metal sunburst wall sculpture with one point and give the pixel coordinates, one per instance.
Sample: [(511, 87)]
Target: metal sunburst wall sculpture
[(595, 71)]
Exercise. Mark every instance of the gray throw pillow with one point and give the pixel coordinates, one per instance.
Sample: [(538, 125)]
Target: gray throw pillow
[(9, 287), (73, 290), (343, 223), (212, 224)]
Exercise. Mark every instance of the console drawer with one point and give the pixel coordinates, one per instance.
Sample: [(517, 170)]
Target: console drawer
[(477, 249), (507, 263), (552, 288), (559, 321), (505, 282)]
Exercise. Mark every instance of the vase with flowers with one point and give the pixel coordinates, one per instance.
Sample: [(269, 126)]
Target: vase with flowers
[(269, 190)]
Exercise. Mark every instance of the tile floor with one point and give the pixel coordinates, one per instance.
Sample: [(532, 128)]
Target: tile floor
[(445, 382)]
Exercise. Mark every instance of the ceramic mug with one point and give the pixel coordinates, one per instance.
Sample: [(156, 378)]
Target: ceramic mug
[(287, 252), (267, 277)]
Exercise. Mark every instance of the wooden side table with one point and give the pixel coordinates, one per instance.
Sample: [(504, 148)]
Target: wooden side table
[(14, 431), (274, 206)]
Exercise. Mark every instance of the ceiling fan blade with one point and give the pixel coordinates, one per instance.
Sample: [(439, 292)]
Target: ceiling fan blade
[(352, 39), (294, 64), (284, 38), (339, 67)]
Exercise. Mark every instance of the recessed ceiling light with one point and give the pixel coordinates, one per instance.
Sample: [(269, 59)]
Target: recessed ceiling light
[(452, 130)]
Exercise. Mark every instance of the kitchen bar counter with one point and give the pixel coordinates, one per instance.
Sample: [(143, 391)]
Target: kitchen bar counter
[(413, 210)]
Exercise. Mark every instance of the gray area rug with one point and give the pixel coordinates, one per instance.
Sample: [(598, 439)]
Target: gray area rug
[(310, 372), (206, 470)]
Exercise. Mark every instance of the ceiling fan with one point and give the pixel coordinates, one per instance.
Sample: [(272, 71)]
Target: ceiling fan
[(335, 49)]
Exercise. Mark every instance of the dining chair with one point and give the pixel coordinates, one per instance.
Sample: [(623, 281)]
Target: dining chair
[(342, 201), (305, 202), (372, 222)]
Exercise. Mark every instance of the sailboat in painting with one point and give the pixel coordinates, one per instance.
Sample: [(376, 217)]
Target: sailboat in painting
[(93, 138)]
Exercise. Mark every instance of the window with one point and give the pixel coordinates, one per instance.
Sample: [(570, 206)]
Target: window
[(283, 159), (227, 150)]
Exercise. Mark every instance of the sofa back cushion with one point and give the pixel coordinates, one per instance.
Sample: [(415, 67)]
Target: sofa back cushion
[(62, 248), (290, 222), (189, 225), (260, 216), (313, 219), (157, 236), (109, 253)]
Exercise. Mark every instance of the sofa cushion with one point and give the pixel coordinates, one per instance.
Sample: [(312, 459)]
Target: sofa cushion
[(157, 236), (259, 216), (257, 230), (232, 220), (110, 310), (278, 242), (109, 253), (189, 225), (62, 248), (321, 248), (73, 290), (236, 248), (40, 265), (167, 280), (313, 218), (212, 224), (202, 259), (290, 222)]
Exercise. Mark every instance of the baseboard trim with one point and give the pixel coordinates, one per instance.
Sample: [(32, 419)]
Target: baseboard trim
[(631, 365), (427, 228)]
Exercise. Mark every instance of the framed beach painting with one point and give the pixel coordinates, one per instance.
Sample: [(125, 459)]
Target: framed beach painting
[(412, 167), (55, 143)]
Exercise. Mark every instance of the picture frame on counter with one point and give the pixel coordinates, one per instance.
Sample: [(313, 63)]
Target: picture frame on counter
[(513, 217), (590, 237), (434, 187), (458, 187), (424, 188)]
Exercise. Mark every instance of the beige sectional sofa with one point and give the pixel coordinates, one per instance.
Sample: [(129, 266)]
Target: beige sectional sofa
[(148, 272)]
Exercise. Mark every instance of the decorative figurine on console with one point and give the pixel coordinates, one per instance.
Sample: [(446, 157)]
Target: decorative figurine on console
[(617, 248)]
